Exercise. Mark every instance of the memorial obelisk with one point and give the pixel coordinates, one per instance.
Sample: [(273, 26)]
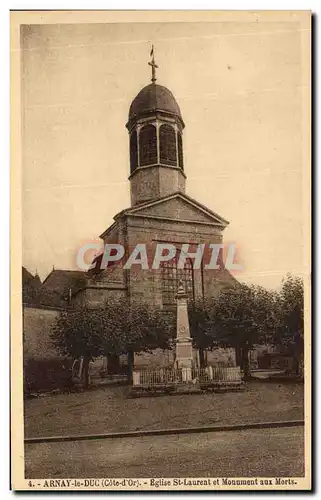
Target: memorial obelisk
[(184, 348)]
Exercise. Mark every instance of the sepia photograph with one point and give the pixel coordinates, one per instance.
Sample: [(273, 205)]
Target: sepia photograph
[(160, 280)]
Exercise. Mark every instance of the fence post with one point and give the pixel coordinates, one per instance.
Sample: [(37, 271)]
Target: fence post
[(136, 378), (186, 374)]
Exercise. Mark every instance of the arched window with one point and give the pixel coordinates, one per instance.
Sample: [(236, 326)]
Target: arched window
[(133, 151), (171, 276), (180, 151), (147, 146), (167, 142)]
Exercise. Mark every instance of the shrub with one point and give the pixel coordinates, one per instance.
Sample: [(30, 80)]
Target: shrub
[(42, 375)]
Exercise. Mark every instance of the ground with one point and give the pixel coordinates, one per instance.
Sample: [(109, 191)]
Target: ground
[(248, 453), (109, 410)]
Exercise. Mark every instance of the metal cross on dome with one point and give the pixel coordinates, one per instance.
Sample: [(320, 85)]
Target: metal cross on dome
[(153, 65)]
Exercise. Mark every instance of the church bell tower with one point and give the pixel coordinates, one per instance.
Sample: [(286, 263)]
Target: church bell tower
[(155, 127)]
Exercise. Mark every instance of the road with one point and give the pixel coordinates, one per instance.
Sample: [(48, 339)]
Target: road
[(268, 453), (110, 410)]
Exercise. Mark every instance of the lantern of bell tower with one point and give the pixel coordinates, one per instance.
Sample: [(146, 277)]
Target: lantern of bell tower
[(155, 127)]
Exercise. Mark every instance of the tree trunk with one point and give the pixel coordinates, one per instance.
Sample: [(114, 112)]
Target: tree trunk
[(86, 372), (113, 364), (296, 364), (238, 356), (130, 364), (246, 362), (298, 354), (201, 357)]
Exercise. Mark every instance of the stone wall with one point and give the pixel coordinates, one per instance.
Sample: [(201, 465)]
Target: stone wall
[(96, 296), (37, 324)]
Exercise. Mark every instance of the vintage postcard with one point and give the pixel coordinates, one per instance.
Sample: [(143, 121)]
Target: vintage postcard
[(160, 250)]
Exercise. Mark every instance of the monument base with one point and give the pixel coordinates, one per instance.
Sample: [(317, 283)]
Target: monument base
[(187, 388), (184, 354)]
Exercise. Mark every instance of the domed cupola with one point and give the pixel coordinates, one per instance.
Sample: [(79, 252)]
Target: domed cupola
[(155, 127), (154, 98)]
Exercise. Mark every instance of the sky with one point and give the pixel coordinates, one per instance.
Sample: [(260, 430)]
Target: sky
[(241, 90)]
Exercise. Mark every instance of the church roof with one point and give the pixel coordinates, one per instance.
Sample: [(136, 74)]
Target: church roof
[(29, 279), (151, 98), (216, 218), (173, 207), (60, 280)]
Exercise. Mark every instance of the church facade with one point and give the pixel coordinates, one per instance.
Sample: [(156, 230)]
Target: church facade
[(161, 212)]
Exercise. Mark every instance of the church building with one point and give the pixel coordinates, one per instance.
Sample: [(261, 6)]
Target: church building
[(161, 212)]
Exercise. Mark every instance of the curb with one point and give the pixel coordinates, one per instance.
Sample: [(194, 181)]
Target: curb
[(164, 432)]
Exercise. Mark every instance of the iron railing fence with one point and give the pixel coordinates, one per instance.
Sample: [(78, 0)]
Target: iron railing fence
[(171, 376)]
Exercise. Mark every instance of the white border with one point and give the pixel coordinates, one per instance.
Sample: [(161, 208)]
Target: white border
[(4, 197)]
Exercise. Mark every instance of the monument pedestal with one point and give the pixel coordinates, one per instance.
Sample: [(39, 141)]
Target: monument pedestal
[(184, 353)]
